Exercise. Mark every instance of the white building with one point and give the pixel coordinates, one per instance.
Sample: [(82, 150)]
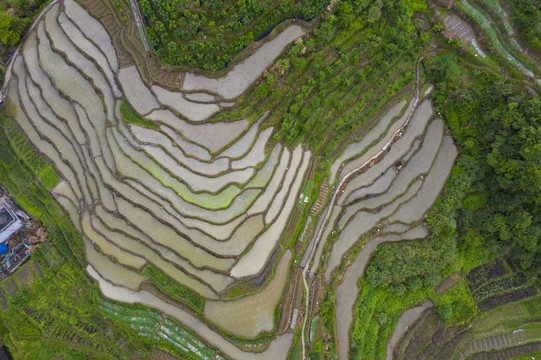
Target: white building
[(9, 223)]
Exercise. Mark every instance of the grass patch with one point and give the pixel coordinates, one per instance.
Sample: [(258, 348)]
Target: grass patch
[(175, 290), (129, 116)]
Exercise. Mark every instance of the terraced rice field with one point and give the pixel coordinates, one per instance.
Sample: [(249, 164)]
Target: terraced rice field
[(207, 204), (391, 194), (204, 203)]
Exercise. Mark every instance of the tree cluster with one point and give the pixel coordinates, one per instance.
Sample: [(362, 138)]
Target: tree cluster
[(209, 34), (15, 17)]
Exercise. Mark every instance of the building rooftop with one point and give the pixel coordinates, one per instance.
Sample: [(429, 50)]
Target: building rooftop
[(9, 223)]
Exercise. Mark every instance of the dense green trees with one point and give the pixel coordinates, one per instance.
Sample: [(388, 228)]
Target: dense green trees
[(499, 126), (7, 34), (14, 24), (208, 34)]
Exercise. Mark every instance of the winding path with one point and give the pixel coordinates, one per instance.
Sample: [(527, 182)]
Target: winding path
[(336, 192)]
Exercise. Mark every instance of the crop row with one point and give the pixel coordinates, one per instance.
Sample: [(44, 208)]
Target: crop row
[(494, 38), (500, 286)]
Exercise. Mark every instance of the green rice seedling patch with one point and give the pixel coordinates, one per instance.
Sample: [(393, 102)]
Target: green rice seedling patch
[(130, 116), (49, 177), (177, 291)]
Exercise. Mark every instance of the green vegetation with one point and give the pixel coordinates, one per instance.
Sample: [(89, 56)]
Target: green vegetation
[(498, 126), (154, 330), (527, 17), (208, 35), (456, 305), (130, 116), (494, 36), (325, 90), (13, 23), (49, 177), (177, 291), (489, 208)]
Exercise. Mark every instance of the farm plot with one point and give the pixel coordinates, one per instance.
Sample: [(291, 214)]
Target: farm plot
[(459, 27), (360, 223), (191, 110), (93, 30), (201, 203), (244, 74), (60, 41), (405, 320), (139, 96), (212, 136), (380, 145), (157, 139), (87, 47), (419, 165), (243, 145), (252, 263), (252, 314)]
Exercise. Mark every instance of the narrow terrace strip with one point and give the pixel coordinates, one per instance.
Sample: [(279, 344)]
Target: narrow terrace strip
[(252, 262), (281, 196), (53, 136), (138, 95), (45, 148), (87, 47), (266, 199), (60, 106), (432, 187), (63, 45), (356, 148), (93, 30), (418, 166), (108, 248), (190, 110), (256, 154), (163, 258), (157, 139), (360, 224), (116, 274), (212, 136), (245, 143), (238, 79)]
